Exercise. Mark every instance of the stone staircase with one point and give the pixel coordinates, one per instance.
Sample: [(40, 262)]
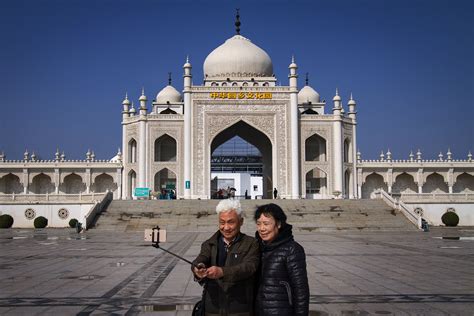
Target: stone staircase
[(304, 215)]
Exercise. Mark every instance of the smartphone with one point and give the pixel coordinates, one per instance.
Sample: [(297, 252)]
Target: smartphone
[(154, 235)]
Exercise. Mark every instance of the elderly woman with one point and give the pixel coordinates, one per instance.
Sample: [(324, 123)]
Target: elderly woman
[(283, 284)]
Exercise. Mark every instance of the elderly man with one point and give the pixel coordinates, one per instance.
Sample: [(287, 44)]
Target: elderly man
[(227, 264)]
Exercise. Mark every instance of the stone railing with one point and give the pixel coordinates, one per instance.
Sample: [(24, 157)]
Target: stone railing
[(34, 198), (437, 197), (398, 205), (90, 217)]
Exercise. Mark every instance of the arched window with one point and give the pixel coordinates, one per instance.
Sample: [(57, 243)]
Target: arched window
[(245, 84), (255, 84), (234, 84), (165, 148), (265, 84), (224, 84), (132, 183), (213, 84), (347, 147), (132, 151), (315, 148)]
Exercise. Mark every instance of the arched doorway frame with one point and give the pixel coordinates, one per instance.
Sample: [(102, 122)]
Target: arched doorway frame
[(213, 137)]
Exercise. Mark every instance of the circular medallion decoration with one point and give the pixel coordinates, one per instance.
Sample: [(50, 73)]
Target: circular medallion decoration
[(63, 213), (418, 211), (30, 213)]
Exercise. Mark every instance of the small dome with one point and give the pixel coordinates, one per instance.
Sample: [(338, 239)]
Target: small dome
[(168, 94), (238, 57), (308, 95)]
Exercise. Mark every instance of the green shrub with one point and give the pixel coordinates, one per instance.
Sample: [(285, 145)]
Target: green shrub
[(40, 222), (72, 223), (6, 221), (450, 219)]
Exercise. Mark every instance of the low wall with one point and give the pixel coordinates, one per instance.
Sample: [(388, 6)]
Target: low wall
[(432, 212), (58, 213)]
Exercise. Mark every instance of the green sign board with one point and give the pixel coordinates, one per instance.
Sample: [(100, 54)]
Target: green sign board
[(170, 186), (188, 184), (142, 192)]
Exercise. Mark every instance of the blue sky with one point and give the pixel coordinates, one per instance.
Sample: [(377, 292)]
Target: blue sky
[(67, 64)]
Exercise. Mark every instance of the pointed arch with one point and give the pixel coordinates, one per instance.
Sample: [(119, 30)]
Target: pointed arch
[(165, 183), (41, 184), (347, 150), (373, 182), (103, 183), (464, 183), (435, 184), (10, 184), (316, 183), (315, 148), (165, 148), (72, 184), (404, 183), (132, 151), (168, 111), (131, 183)]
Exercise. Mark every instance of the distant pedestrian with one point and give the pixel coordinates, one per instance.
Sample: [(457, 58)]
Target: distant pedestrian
[(275, 193), (246, 194)]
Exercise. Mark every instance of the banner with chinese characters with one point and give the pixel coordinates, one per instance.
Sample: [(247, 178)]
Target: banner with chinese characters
[(241, 95)]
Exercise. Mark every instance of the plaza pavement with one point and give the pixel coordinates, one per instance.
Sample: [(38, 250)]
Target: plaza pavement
[(60, 272)]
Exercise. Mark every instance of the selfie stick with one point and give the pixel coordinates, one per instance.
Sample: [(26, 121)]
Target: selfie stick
[(156, 244)]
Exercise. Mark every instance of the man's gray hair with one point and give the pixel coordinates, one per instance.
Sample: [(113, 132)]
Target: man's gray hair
[(229, 205)]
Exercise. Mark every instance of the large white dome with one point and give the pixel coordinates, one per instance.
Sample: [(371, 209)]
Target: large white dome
[(308, 95), (238, 57), (168, 94)]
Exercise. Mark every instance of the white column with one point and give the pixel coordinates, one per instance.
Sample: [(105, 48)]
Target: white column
[(142, 142), (187, 185), (294, 142), (119, 183), (337, 145), (26, 181), (125, 149), (352, 115)]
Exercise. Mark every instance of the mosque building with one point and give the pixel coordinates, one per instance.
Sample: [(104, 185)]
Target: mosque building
[(308, 147)]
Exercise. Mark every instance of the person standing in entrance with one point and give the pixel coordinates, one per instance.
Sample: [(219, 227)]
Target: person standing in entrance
[(227, 265), (283, 287), (275, 193)]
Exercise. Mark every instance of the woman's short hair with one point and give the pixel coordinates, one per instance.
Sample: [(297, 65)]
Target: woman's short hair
[(229, 205), (272, 210)]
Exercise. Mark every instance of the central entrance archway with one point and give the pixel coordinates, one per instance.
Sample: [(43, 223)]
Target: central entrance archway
[(262, 143)]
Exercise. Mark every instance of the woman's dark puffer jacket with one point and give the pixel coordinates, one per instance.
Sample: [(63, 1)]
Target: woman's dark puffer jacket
[(283, 284)]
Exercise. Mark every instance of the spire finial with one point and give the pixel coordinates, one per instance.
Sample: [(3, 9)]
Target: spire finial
[(352, 97), (143, 90), (293, 58), (169, 77), (307, 80), (337, 91), (126, 95), (237, 22), (187, 58)]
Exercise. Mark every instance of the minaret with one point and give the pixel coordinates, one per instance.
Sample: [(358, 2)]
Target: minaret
[(352, 115), (142, 141), (295, 160), (337, 145), (187, 78)]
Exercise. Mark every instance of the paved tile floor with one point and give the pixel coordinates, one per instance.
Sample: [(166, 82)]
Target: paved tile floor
[(59, 272)]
